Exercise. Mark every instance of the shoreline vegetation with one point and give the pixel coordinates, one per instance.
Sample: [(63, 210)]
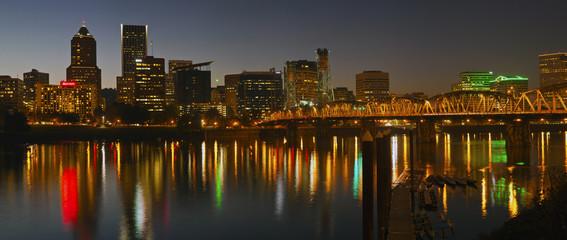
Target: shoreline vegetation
[(544, 219)]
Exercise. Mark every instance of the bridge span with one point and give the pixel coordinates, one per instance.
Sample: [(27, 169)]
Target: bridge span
[(545, 104)]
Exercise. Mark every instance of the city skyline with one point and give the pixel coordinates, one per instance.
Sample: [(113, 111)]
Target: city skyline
[(423, 45)]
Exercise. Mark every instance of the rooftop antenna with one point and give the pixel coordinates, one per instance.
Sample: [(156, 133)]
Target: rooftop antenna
[(152, 46)]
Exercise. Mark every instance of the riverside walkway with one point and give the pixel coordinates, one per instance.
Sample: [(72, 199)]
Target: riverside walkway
[(401, 225)]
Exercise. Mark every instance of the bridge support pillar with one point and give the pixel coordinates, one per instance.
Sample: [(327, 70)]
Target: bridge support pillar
[(291, 132), (425, 131), (322, 127), (368, 125), (518, 134)]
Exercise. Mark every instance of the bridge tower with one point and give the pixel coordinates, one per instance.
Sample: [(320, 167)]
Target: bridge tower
[(289, 84), (324, 76)]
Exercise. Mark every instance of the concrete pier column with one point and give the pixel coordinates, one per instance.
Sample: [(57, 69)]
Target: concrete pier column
[(368, 125), (322, 127), (384, 181), (518, 133), (291, 132), (367, 186), (425, 131)]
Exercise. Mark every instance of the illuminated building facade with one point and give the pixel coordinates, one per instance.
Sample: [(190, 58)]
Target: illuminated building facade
[(68, 97), (149, 88), (134, 46), (11, 92), (303, 74), (259, 93), (512, 85), (372, 85), (231, 83), (30, 80), (203, 107), (170, 79), (552, 69), (83, 69), (342, 94), (218, 95), (473, 81), (193, 85)]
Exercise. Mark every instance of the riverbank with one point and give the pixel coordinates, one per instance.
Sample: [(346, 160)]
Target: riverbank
[(73, 133)]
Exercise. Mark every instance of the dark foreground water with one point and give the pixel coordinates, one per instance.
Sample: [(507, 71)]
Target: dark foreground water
[(252, 189)]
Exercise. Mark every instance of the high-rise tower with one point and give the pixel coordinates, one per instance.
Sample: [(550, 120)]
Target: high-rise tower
[(324, 77), (83, 69), (301, 83), (149, 83), (134, 40)]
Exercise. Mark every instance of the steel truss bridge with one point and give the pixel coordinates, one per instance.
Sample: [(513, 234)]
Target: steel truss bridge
[(549, 103)]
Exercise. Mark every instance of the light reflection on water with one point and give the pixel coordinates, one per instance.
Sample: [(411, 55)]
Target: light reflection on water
[(253, 187)]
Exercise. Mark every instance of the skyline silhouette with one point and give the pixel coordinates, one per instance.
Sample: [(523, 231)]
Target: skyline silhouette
[(423, 45)]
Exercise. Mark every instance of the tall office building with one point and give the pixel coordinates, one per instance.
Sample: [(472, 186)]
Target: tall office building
[(170, 79), (149, 87), (231, 83), (259, 93), (83, 68), (11, 92), (193, 84), (67, 97), (473, 81), (30, 80), (372, 85), (342, 94), (512, 85), (552, 69), (218, 95), (303, 75), (134, 46)]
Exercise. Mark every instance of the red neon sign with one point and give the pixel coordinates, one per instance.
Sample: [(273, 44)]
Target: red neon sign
[(68, 84)]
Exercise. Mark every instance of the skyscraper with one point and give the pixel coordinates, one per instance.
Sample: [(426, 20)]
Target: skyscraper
[(149, 87), (83, 68), (259, 93), (552, 69), (134, 46), (303, 75), (30, 80), (372, 85)]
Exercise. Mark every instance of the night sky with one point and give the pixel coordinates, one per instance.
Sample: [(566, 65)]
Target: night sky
[(424, 45)]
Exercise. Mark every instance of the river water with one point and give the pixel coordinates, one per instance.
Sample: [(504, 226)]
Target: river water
[(253, 189)]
